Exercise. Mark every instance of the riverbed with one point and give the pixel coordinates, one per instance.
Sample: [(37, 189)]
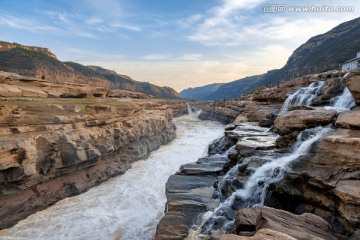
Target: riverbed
[(125, 207)]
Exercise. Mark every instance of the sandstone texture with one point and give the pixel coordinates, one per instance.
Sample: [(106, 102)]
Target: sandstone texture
[(58, 140), (353, 85), (302, 119), (220, 111), (349, 120)]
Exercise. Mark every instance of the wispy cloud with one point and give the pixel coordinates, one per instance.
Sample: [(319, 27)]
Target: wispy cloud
[(156, 57), (191, 57), (25, 23)]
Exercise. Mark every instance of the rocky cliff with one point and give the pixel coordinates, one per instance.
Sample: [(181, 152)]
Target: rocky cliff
[(319, 54), (42, 63), (58, 140), (314, 195)]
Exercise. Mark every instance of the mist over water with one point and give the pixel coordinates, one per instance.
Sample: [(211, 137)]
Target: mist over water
[(125, 207)]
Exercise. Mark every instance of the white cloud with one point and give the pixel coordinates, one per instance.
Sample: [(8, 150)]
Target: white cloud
[(234, 23), (191, 57), (156, 56)]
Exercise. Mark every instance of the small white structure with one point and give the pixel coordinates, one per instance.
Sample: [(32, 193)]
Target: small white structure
[(352, 63)]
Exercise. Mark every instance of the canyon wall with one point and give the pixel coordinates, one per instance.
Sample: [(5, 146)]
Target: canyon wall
[(60, 140)]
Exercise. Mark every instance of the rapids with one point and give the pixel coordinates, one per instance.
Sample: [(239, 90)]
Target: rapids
[(125, 207)]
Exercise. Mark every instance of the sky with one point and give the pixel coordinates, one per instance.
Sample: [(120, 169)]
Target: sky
[(175, 43)]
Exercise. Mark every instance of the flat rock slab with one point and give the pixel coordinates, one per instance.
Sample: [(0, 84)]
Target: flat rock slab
[(202, 169), (213, 159), (302, 119), (180, 183)]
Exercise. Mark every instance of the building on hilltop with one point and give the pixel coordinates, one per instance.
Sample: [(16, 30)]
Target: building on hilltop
[(352, 63)]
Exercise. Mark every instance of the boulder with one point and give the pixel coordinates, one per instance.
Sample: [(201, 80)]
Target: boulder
[(240, 119), (302, 227), (353, 85), (302, 119), (349, 120), (255, 111), (246, 220)]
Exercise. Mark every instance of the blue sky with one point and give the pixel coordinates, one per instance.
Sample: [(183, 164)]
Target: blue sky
[(177, 43)]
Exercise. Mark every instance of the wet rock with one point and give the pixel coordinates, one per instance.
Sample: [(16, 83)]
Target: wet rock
[(302, 119), (188, 197), (233, 154), (219, 146), (283, 142), (202, 169), (266, 122), (326, 179)]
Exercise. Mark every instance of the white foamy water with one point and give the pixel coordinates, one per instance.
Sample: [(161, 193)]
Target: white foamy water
[(344, 102), (303, 96), (128, 206)]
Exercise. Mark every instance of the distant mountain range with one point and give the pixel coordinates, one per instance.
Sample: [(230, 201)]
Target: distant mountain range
[(320, 53), (42, 63)]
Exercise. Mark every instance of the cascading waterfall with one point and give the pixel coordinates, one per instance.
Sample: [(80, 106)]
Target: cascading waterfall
[(255, 189), (343, 102), (254, 192), (303, 96), (189, 108)]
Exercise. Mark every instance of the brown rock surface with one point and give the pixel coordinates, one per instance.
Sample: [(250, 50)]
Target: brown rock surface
[(353, 85), (302, 119), (262, 234), (349, 120), (256, 111), (246, 220), (53, 148), (305, 226)]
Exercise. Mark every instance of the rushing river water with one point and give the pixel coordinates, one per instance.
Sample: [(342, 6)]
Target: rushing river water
[(128, 206)]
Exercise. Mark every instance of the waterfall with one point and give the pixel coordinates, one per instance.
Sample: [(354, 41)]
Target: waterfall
[(303, 96), (189, 108), (343, 102), (254, 191)]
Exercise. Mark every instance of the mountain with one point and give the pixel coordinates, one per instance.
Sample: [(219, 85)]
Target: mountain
[(231, 90), (320, 53), (42, 63), (200, 93)]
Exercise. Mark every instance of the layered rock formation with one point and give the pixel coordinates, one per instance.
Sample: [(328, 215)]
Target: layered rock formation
[(59, 140), (41, 63), (318, 190)]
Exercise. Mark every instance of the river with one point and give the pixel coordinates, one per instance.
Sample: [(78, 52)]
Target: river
[(125, 207)]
